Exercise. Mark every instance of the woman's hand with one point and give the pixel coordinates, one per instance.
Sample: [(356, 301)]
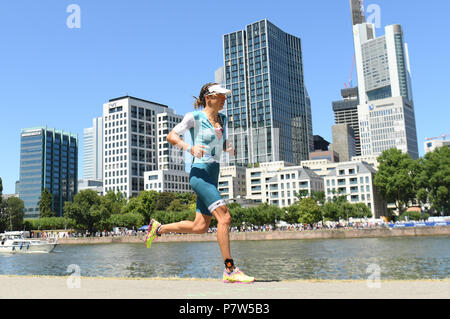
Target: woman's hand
[(198, 151), (230, 149)]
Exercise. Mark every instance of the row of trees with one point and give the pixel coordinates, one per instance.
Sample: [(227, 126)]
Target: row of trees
[(408, 182), (11, 212)]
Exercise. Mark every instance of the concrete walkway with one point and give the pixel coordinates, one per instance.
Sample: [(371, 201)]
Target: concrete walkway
[(42, 287)]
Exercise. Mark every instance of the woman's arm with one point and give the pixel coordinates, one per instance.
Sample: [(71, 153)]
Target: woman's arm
[(174, 137), (228, 147), (176, 141)]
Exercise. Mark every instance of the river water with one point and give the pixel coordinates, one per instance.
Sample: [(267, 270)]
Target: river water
[(392, 258)]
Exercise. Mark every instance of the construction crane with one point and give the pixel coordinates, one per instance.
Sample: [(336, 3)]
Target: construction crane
[(443, 136)]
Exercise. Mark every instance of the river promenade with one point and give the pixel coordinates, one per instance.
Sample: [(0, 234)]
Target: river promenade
[(68, 287), (273, 235)]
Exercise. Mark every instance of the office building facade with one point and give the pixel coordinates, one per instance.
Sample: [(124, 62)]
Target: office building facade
[(48, 159), (268, 109), (346, 112), (93, 151), (386, 108), (344, 141), (130, 142)]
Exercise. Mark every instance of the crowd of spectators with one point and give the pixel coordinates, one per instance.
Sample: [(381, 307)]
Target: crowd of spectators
[(121, 232)]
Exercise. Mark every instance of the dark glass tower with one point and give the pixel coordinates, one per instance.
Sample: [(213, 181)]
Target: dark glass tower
[(267, 111), (48, 159)]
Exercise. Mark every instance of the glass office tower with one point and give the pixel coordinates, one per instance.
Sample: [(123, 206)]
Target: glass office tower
[(267, 110), (48, 159)]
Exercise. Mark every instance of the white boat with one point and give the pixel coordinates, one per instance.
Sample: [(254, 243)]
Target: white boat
[(16, 242)]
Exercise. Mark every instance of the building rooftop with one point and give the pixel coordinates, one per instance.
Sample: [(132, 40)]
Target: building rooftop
[(135, 98)]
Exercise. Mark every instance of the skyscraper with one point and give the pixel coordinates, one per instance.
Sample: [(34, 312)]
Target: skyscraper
[(386, 107), (357, 9), (48, 159), (344, 141), (134, 143), (93, 151), (267, 110), (346, 112)]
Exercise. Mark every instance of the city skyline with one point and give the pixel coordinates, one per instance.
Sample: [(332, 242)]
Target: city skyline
[(58, 71)]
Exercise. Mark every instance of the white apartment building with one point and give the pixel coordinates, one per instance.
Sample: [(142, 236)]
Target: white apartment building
[(372, 160), (278, 183), (232, 183), (167, 180), (356, 181), (431, 145), (130, 142)]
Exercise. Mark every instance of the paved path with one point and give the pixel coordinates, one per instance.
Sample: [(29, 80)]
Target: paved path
[(39, 287)]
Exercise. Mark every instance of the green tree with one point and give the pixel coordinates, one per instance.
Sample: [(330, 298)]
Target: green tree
[(49, 223), (3, 218), (292, 214), (114, 202), (176, 206), (45, 204), (319, 197), (84, 210), (331, 211), (434, 179), (361, 210), (396, 178), (310, 212), (270, 214), (186, 198), (15, 211), (164, 200), (144, 204), (128, 220)]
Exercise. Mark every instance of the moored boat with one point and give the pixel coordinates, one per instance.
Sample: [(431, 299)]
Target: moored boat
[(16, 242)]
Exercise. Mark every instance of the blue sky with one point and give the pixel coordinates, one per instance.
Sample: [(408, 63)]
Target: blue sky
[(164, 51)]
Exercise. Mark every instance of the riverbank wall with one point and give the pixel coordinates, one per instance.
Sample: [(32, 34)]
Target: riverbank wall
[(274, 235)]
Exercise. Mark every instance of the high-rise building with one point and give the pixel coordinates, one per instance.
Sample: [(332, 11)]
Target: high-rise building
[(134, 142), (309, 122), (320, 144), (386, 107), (48, 159), (344, 141), (346, 112), (357, 9), (268, 109), (93, 151)]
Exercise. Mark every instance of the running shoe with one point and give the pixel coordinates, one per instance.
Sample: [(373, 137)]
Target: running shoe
[(151, 232), (236, 277)]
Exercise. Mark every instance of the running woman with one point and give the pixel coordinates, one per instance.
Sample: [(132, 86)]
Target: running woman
[(208, 131)]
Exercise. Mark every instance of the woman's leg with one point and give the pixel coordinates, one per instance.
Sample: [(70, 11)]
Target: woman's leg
[(223, 217), (199, 226)]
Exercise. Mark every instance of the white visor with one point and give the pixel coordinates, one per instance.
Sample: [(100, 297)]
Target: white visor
[(218, 89)]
